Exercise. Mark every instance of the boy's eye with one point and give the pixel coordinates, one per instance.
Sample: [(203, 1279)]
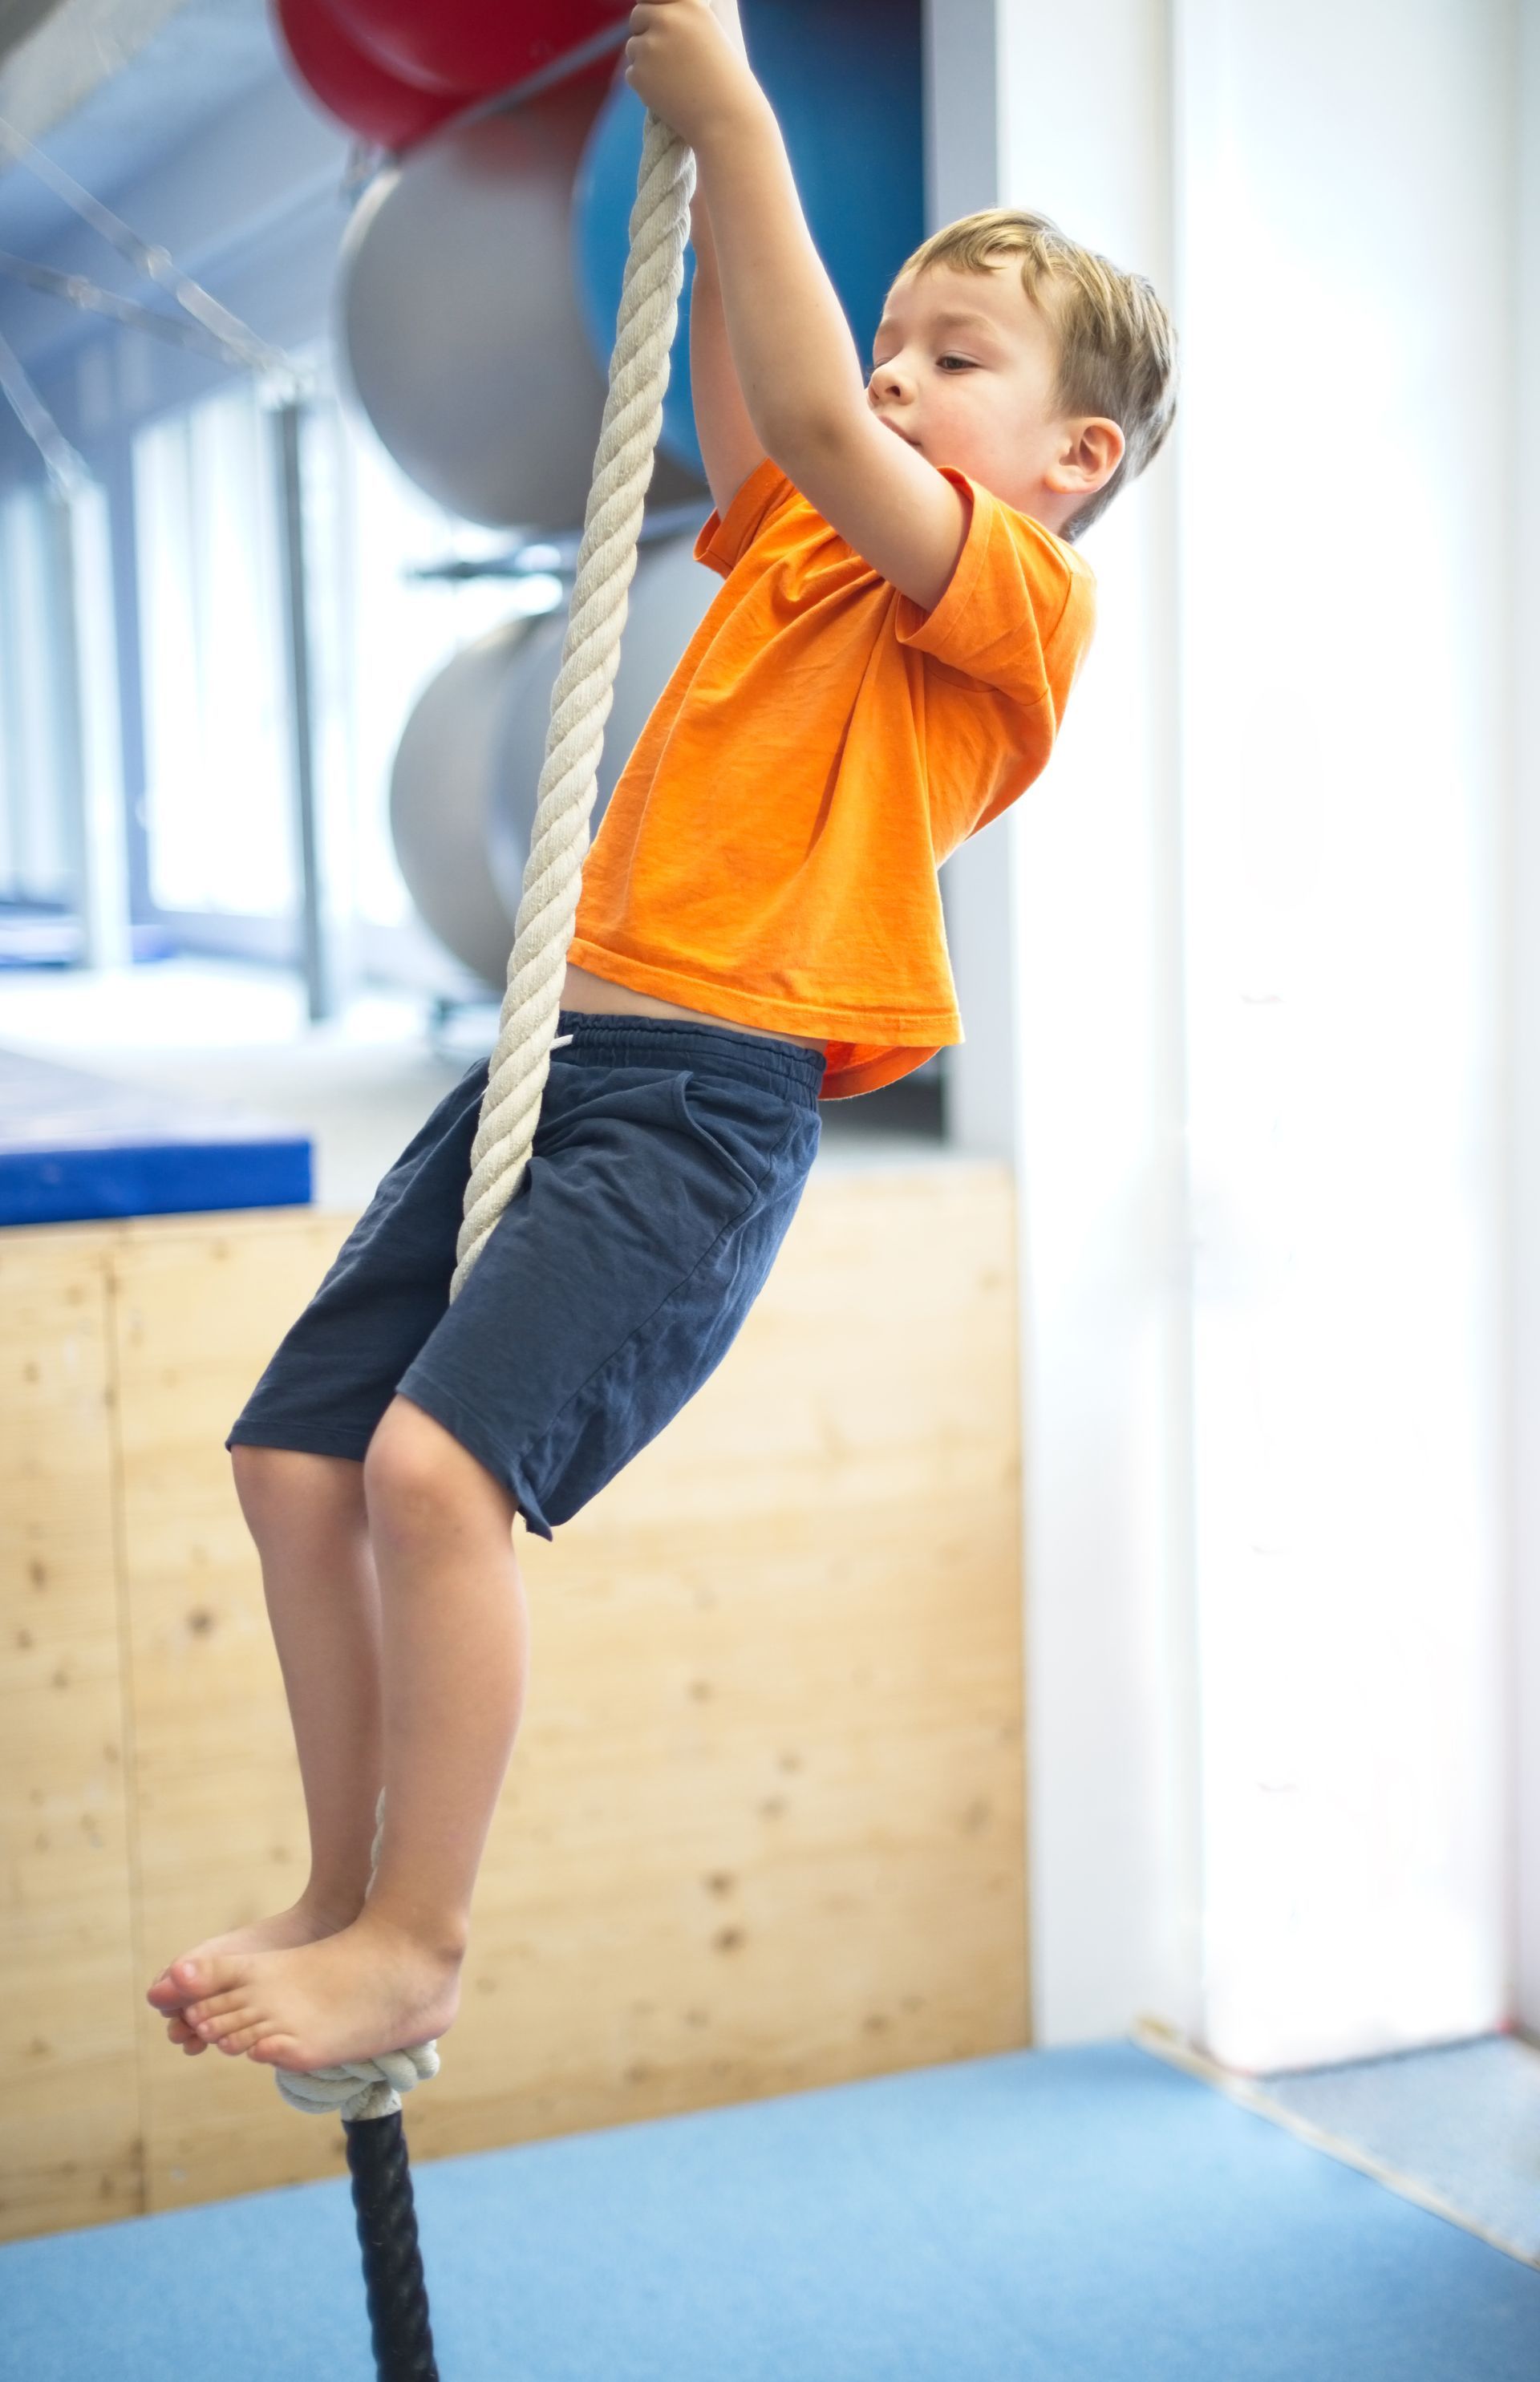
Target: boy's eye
[(965, 362)]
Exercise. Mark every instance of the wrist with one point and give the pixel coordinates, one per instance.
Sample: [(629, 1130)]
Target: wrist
[(726, 15), (741, 118)]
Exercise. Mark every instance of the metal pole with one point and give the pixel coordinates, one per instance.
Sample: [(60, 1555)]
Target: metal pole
[(289, 418), (88, 728)]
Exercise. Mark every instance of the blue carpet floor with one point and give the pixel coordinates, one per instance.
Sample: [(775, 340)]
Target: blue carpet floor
[(1462, 2117), (1088, 2215)]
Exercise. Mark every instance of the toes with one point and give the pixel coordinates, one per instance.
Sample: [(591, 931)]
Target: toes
[(215, 2006), (166, 1994), (277, 2051), (241, 2039), (202, 1978), (219, 2028)]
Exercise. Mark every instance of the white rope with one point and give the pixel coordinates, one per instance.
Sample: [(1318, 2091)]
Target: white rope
[(583, 693), (547, 905)]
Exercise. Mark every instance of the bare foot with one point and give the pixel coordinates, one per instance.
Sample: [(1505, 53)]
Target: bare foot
[(304, 1922), (369, 1988)]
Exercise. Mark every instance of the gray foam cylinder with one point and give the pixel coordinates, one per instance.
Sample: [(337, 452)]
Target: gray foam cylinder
[(459, 326), (441, 785), (668, 599)]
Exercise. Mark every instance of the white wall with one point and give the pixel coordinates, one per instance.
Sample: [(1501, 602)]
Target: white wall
[(1252, 933), (1523, 1712), (1347, 681)]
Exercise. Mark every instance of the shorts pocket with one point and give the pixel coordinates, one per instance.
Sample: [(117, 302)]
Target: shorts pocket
[(745, 1127)]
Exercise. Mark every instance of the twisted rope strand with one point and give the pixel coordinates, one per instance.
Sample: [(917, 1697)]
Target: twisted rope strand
[(584, 691), (548, 903)]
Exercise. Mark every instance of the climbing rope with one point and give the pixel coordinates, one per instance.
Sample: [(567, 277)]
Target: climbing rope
[(583, 693), (548, 903)]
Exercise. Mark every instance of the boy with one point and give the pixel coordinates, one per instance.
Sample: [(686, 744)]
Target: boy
[(882, 673)]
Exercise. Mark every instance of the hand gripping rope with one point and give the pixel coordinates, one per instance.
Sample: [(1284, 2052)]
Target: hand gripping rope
[(367, 2092)]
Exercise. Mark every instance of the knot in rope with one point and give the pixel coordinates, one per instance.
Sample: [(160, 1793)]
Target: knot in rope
[(361, 2088)]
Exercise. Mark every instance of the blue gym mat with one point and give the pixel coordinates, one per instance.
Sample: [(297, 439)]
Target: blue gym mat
[(74, 1147), (1086, 2214)]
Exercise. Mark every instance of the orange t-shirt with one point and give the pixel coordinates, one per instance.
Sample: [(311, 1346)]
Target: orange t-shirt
[(769, 851)]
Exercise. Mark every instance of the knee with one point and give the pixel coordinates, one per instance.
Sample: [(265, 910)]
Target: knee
[(264, 1475), (418, 1481), (273, 1481)]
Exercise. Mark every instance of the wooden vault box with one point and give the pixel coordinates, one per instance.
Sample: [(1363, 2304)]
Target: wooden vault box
[(763, 1829)]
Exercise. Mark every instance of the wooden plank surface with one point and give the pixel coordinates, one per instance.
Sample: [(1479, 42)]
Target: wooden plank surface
[(202, 1303), (763, 1827), (69, 2125)]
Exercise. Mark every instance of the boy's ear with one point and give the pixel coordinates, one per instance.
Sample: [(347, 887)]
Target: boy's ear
[(1091, 453)]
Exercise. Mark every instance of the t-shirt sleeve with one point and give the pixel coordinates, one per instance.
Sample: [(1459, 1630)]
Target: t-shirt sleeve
[(725, 538), (1017, 613)]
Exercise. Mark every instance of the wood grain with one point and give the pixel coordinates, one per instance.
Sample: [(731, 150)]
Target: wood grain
[(763, 1828), (70, 2149)]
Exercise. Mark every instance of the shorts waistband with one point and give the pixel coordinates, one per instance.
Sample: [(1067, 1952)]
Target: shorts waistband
[(610, 1040)]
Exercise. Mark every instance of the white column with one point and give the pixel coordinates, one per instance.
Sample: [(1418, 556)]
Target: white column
[(1115, 1821), (962, 174), (1061, 920)]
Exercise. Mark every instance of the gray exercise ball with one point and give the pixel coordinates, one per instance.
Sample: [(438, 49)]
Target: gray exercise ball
[(440, 800), (667, 600), (459, 326)]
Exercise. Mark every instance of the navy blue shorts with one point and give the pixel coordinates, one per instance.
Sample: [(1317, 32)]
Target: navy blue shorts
[(669, 1159)]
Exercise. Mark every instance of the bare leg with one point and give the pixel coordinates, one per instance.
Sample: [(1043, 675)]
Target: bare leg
[(455, 1652), (308, 1517), (456, 1659)]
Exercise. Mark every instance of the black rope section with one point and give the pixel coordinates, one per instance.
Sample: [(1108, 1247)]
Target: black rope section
[(388, 2238)]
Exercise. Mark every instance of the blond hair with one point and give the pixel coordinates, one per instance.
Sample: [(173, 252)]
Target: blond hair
[(1118, 344)]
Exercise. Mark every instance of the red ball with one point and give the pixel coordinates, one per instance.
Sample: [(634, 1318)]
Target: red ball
[(475, 45), (367, 97)]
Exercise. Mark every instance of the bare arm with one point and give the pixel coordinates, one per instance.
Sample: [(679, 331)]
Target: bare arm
[(730, 445), (803, 386)]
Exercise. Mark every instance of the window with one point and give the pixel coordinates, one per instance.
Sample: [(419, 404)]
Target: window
[(219, 803), (219, 773), (34, 855)]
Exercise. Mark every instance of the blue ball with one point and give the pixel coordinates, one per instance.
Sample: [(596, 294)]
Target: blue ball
[(844, 78)]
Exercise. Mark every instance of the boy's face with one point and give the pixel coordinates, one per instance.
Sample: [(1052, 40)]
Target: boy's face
[(977, 393)]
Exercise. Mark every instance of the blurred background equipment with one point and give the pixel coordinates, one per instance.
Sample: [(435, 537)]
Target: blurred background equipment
[(377, 104), (378, 266), (479, 380), (443, 788), (464, 45), (670, 596)]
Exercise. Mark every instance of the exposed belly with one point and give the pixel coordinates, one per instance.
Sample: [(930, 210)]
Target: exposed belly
[(581, 990)]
